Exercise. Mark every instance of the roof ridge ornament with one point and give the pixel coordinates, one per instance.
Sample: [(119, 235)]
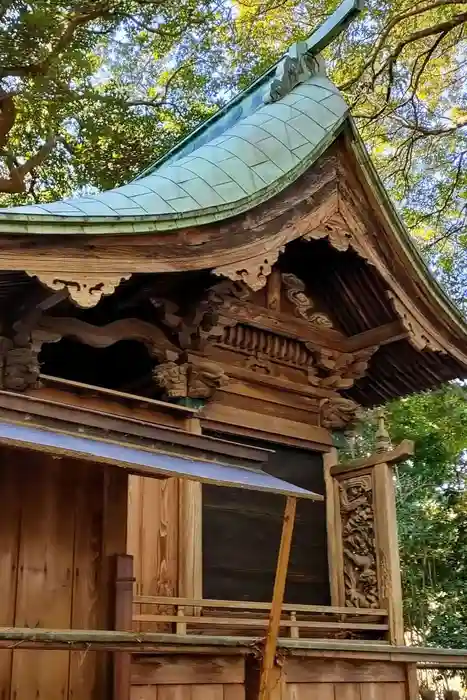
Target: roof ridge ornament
[(302, 61), (297, 66)]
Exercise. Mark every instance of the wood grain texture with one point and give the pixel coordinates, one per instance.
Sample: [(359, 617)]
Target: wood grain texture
[(348, 691), (310, 691), (207, 692), (412, 682), (330, 459), (61, 578), (189, 670), (234, 692), (86, 564), (174, 692), (190, 538), (267, 665), (388, 561), (10, 486), (144, 692), (302, 670), (44, 597)]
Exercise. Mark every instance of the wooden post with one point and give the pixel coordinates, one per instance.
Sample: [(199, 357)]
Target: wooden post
[(333, 531), (190, 535), (413, 689), (123, 623), (267, 666), (389, 575)]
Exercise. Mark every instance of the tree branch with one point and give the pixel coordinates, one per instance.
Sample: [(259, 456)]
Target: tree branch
[(7, 117), (15, 183), (387, 30)]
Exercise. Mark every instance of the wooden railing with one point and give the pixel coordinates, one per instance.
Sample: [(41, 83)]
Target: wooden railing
[(244, 618)]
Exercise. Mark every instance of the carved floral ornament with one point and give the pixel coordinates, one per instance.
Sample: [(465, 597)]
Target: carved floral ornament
[(85, 290)]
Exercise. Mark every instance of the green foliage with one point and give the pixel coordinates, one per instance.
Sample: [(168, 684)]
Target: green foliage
[(432, 512)]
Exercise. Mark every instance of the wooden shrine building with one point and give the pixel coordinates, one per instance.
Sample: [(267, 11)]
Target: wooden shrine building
[(176, 354)]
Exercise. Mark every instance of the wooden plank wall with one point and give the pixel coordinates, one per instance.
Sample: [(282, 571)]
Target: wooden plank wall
[(152, 537), (334, 679), (203, 677), (189, 678), (61, 522)]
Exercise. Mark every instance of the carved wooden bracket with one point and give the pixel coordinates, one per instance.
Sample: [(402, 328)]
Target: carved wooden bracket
[(86, 290), (195, 380), (338, 412), (339, 235), (341, 369), (420, 338)]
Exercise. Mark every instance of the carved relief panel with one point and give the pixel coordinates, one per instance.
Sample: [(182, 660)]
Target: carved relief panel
[(358, 542)]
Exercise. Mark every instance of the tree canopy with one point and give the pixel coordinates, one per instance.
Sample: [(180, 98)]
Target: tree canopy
[(109, 85)]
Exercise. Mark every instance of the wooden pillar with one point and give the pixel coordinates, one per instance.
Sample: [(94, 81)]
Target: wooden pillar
[(190, 534), (267, 679), (334, 540), (365, 571), (190, 551), (123, 622), (389, 576)]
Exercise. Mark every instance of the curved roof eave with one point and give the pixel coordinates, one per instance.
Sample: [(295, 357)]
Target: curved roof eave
[(246, 165), (400, 233)]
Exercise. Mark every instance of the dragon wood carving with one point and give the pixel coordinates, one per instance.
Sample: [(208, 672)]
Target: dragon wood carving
[(204, 320), (358, 539)]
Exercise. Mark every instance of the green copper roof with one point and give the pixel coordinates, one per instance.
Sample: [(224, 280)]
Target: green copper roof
[(260, 143)]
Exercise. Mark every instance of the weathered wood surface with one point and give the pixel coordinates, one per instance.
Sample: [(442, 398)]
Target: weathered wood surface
[(59, 531), (189, 677), (153, 532)]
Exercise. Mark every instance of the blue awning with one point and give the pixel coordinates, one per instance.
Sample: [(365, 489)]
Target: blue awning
[(145, 462)]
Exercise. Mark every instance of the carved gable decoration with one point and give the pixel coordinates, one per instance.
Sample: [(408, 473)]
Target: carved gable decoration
[(339, 235), (253, 272), (85, 291)]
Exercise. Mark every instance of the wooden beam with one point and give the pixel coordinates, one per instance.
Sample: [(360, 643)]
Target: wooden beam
[(270, 647), (401, 452), (381, 335)]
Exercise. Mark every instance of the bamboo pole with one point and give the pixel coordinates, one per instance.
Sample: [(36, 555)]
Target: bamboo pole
[(270, 647)]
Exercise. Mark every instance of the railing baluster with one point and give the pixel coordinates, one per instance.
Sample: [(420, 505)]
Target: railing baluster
[(294, 632), (181, 627)]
